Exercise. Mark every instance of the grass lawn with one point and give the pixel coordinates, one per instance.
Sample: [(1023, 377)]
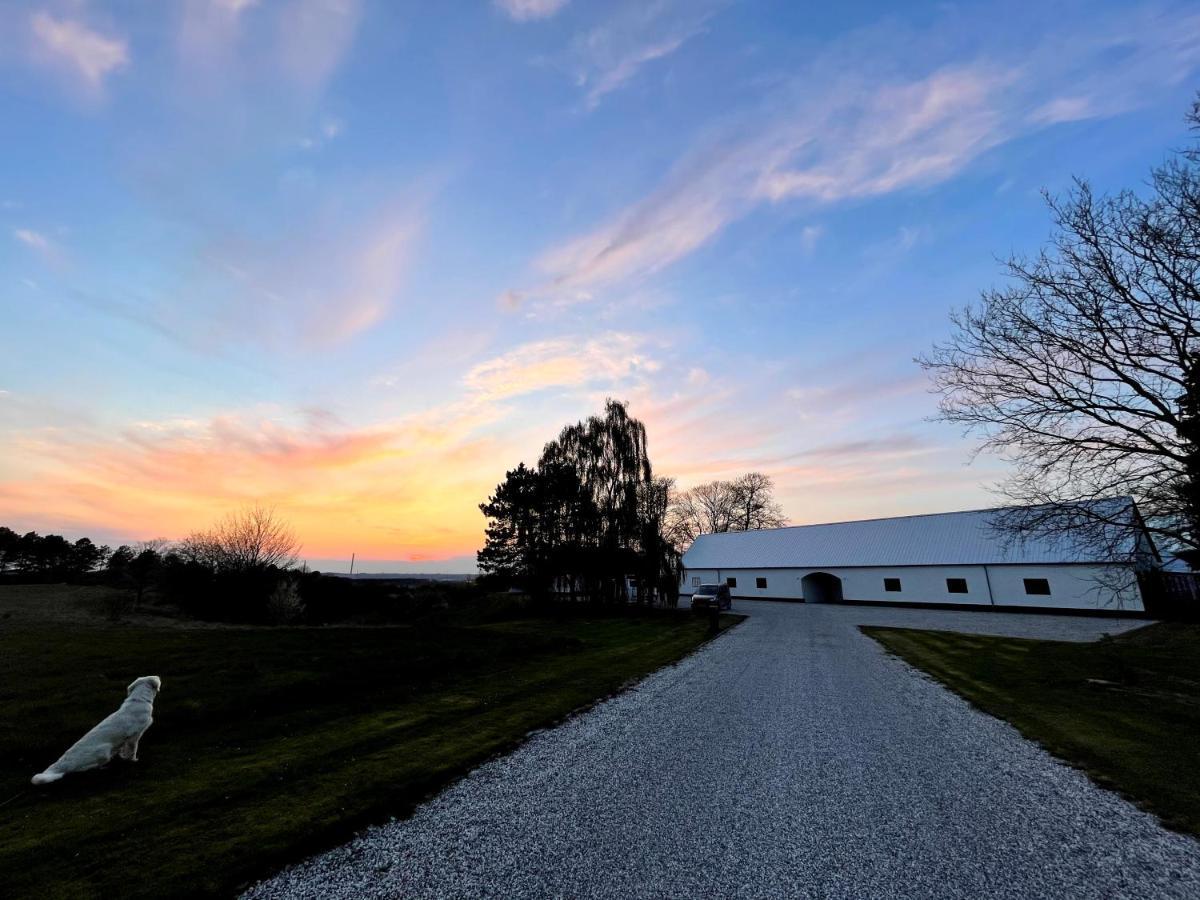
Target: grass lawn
[(1124, 709), (269, 744)]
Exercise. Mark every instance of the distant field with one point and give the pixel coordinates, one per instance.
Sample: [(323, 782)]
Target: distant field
[(1124, 709), (53, 602), (272, 743)]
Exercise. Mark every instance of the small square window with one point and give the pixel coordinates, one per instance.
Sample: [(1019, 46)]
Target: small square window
[(760, 582), (732, 582), (695, 581), (892, 585), (956, 585), (1039, 586)]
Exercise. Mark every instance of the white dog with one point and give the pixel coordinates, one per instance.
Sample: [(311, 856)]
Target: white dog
[(118, 735)]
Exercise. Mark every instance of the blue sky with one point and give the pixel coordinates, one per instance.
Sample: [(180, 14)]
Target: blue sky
[(355, 259)]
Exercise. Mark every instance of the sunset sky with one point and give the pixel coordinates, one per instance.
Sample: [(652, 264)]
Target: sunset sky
[(356, 259)]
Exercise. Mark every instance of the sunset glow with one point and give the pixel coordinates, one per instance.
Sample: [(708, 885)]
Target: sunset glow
[(354, 260)]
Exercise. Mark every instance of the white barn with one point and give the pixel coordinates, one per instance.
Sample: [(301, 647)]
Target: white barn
[(955, 558)]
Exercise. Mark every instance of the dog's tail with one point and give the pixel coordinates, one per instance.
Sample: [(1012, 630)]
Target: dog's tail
[(46, 777)]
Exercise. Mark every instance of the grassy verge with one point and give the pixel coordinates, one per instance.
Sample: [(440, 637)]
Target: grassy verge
[(269, 744), (1126, 709)]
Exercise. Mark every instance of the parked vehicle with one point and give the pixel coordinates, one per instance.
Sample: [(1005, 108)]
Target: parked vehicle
[(708, 595)]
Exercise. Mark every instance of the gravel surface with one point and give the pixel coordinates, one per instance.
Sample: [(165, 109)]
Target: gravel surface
[(790, 757)]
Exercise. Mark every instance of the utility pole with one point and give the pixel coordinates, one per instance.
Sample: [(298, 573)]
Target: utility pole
[(351, 563)]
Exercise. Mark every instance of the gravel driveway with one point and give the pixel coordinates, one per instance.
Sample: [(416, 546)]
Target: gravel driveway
[(790, 757)]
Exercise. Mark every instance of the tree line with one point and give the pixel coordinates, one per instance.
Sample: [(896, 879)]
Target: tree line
[(50, 555), (240, 569)]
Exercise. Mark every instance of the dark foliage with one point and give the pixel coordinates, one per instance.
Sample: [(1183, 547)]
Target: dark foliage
[(589, 515), (50, 557)]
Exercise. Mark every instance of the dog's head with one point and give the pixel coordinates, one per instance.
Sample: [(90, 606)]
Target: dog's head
[(149, 685)]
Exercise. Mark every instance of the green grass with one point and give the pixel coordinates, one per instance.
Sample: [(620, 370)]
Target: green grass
[(269, 744), (1126, 710)]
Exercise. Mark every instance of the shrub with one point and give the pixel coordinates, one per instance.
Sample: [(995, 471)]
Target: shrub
[(284, 606)]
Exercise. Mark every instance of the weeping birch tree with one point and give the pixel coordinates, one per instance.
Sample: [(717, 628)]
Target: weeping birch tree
[(590, 514)]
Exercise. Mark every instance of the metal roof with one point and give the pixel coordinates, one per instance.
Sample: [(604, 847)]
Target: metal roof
[(935, 539)]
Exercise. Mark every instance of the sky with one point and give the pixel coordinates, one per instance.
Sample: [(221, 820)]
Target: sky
[(354, 259)]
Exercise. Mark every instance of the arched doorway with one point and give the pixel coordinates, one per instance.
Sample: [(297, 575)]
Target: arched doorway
[(821, 587)]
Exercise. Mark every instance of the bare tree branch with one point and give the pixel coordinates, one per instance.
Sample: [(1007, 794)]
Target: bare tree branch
[(1083, 371)]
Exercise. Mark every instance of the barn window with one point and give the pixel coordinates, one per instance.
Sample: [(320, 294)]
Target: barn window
[(1038, 586), (892, 585), (956, 585), (760, 582), (732, 582), (695, 581)]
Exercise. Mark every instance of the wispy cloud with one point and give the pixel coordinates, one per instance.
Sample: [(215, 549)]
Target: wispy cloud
[(810, 236), (86, 54), (623, 69), (608, 56), (307, 288), (39, 243), (34, 239), (329, 129), (569, 362), (898, 136), (837, 132), (301, 42), (209, 28), (529, 10), (314, 35), (316, 287)]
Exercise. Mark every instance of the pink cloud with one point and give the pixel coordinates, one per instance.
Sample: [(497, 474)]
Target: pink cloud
[(568, 362), (529, 10), (85, 53), (851, 127)]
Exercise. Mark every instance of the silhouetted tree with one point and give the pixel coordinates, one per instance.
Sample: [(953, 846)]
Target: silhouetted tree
[(747, 503), (754, 505), (118, 561), (141, 572), (48, 556), (9, 543), (247, 540), (85, 556), (1083, 372), (587, 516), (514, 533)]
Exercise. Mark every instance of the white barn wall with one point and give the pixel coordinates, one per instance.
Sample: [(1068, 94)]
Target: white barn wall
[(1071, 586)]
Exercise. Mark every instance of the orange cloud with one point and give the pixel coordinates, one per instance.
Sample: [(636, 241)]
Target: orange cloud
[(409, 488), (403, 489)]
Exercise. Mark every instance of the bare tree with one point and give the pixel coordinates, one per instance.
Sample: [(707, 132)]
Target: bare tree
[(745, 504), (252, 538), (1084, 371), (705, 509), (754, 504)]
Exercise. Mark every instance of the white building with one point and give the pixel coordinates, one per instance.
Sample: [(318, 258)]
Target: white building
[(957, 558)]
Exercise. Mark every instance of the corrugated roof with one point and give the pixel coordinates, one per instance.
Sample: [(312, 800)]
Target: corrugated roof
[(935, 539)]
